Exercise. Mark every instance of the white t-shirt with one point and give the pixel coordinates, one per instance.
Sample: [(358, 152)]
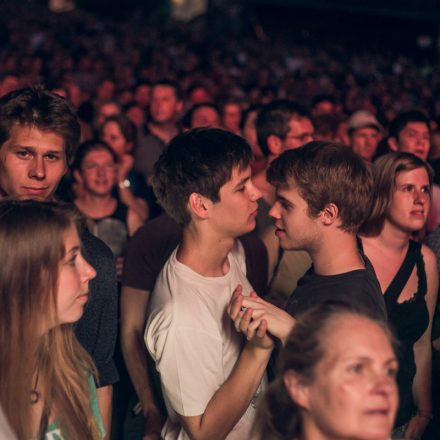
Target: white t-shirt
[(194, 342)]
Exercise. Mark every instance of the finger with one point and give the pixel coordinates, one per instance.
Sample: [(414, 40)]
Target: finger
[(252, 328), (245, 321), (262, 329), (237, 321), (235, 307), (253, 294)]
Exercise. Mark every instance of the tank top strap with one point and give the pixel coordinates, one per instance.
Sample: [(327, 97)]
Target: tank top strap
[(399, 281)]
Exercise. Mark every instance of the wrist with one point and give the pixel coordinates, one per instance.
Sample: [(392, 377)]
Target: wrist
[(424, 413), (124, 184)]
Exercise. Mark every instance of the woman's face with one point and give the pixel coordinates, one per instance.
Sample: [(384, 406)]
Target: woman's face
[(112, 134), (411, 200), (73, 281), (354, 394)]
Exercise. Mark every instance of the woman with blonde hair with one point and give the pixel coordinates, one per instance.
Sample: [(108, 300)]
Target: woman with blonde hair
[(46, 377), (407, 274), (336, 379)]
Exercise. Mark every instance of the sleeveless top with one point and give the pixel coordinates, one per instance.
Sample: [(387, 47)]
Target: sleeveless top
[(409, 320), (112, 229)]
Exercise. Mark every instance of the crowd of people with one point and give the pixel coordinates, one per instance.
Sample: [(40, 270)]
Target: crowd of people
[(214, 239)]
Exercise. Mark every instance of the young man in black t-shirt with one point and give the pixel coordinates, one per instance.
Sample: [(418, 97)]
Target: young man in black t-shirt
[(323, 193)]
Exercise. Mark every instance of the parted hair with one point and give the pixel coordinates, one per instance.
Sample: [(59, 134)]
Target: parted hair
[(385, 171), (34, 106), (279, 417), (198, 161), (327, 172), (32, 248)]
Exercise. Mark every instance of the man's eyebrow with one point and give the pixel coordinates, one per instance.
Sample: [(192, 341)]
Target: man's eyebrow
[(31, 148), (242, 182)]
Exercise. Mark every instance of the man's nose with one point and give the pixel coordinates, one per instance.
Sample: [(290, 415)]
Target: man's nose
[(38, 168)]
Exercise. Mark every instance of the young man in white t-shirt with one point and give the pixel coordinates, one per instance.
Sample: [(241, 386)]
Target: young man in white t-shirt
[(210, 378)]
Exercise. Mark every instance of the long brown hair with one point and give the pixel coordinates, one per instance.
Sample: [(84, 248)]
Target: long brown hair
[(32, 247)]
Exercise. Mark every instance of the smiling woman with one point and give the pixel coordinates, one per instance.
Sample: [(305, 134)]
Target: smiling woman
[(336, 379), (47, 385)]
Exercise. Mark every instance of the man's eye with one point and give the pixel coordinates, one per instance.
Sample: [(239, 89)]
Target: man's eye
[(23, 154), (52, 156)]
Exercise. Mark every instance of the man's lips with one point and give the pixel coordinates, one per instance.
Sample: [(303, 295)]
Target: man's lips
[(32, 190)]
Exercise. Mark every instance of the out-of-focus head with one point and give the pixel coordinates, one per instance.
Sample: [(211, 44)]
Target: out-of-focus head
[(166, 102), (119, 133), (336, 379), (402, 182), (231, 115), (283, 125), (323, 105), (105, 110), (249, 130), (410, 133), (202, 115), (199, 161), (364, 132)]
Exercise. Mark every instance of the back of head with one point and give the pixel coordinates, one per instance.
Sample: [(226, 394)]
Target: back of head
[(279, 417), (38, 108), (198, 161), (404, 118), (385, 170), (326, 172), (274, 118)]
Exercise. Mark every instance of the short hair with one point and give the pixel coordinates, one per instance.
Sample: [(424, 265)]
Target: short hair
[(170, 83), (385, 171), (245, 114), (404, 118), (92, 145), (274, 118), (35, 106), (279, 417), (201, 161), (128, 129), (187, 119), (327, 172)]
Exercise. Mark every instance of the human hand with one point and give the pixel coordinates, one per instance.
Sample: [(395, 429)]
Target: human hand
[(416, 427), (153, 424)]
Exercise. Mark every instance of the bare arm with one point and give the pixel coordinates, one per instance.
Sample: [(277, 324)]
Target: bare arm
[(134, 304), (232, 399), (104, 395), (423, 355)]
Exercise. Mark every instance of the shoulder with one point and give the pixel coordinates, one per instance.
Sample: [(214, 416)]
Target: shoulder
[(429, 259), (96, 250)]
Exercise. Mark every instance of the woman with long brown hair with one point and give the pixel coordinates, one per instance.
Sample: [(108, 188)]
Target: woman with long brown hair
[(46, 377), (408, 277)]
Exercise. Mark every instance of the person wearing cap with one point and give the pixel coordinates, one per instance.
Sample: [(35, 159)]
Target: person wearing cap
[(364, 133)]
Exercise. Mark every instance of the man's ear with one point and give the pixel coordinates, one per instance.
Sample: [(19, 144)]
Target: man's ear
[(392, 143), (298, 392), (76, 175), (329, 214), (198, 204), (274, 144)]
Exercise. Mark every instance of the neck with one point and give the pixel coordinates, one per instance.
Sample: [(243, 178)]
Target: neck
[(95, 205), (392, 238), (205, 254), (337, 253), (163, 130)]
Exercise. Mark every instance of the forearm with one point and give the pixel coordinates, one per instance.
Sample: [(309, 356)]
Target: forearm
[(135, 356), (231, 400), (104, 395)]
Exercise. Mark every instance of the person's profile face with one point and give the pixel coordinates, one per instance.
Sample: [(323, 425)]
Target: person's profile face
[(32, 163), (300, 131), (73, 280), (354, 392)]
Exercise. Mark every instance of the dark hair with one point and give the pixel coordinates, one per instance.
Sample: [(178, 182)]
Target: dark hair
[(92, 145), (170, 83), (201, 161), (35, 106), (245, 114), (400, 121), (187, 119), (274, 118), (128, 129), (327, 172), (385, 171), (279, 417)]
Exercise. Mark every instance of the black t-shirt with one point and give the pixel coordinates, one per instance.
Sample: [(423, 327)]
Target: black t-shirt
[(358, 287)]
